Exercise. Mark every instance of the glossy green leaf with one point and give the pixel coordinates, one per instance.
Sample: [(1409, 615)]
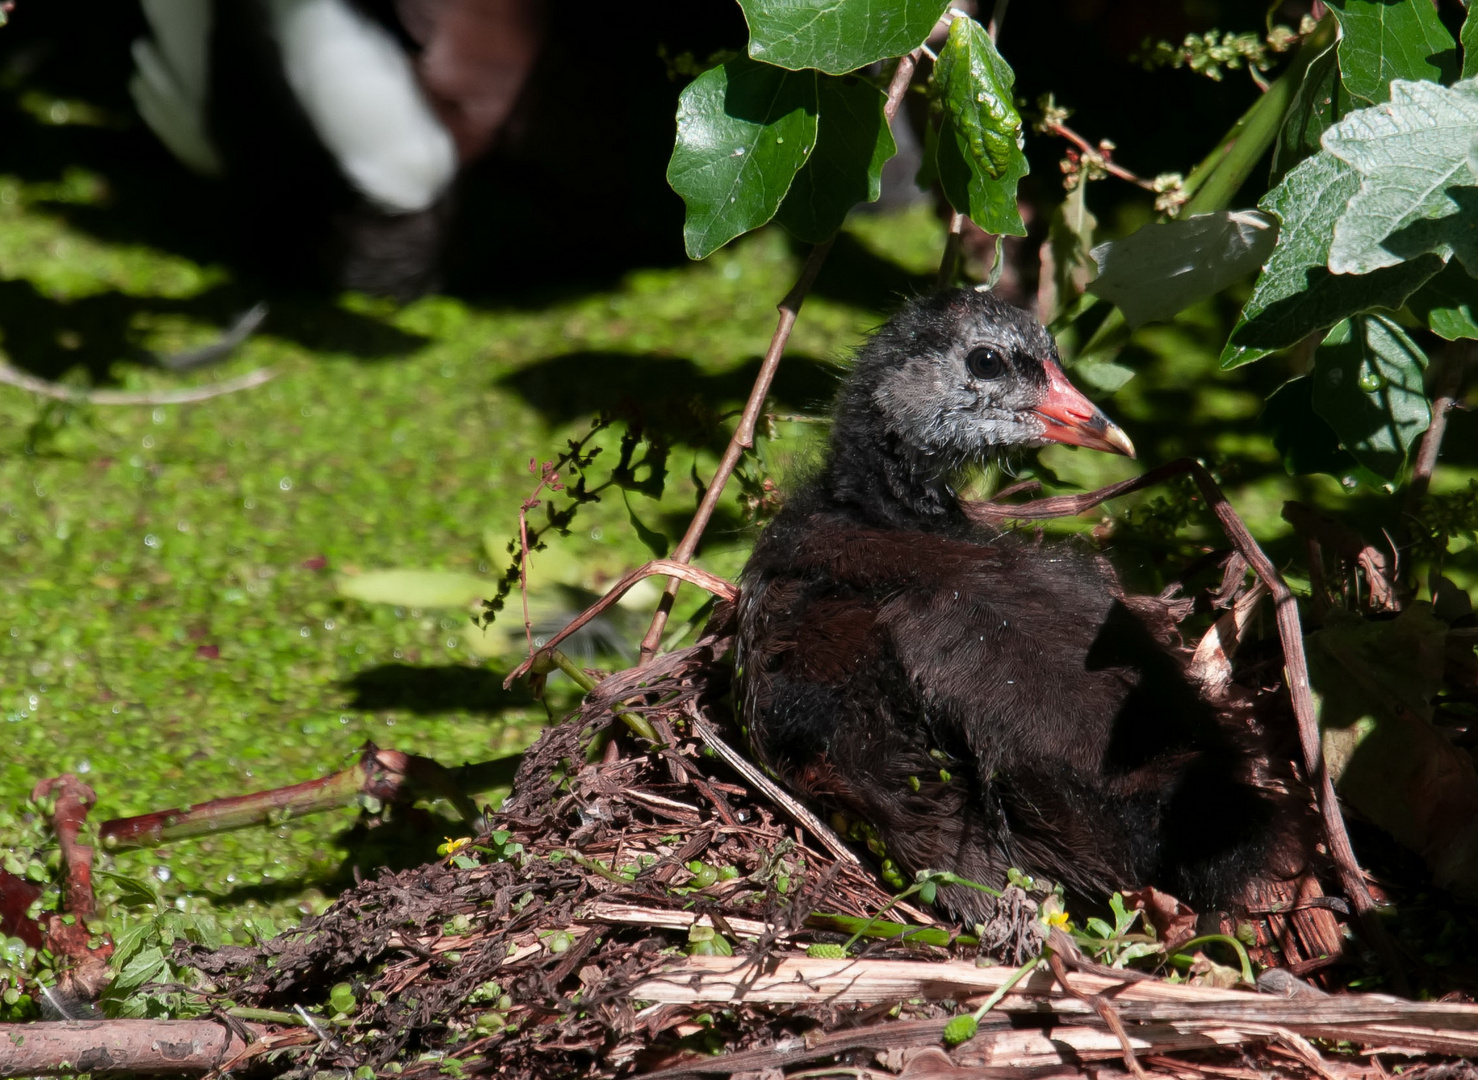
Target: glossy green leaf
[(416, 588), (1367, 384), (978, 151), (1165, 267), (991, 204), (836, 36), (1409, 154), (1468, 37), (1306, 443), (1320, 101), (1448, 304), (1296, 295), (743, 132), (974, 85), (846, 167), (1381, 41)]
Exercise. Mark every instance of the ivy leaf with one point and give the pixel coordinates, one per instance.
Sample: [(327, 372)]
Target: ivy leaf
[(1408, 154), (1320, 100), (978, 152), (1296, 294), (1164, 267), (1367, 384), (836, 36), (1448, 304), (743, 131), (846, 167), (1381, 41)]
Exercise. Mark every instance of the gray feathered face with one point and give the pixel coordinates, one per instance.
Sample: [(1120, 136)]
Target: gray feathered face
[(961, 374)]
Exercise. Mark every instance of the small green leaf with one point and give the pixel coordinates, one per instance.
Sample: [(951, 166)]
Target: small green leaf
[(1165, 267), (341, 998), (982, 162), (1468, 36), (1448, 304), (1367, 384), (415, 588), (1296, 294), (836, 36), (846, 167), (1381, 41), (1408, 154), (146, 966), (928, 891), (743, 132)]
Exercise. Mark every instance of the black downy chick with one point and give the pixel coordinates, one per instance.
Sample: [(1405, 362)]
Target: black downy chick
[(985, 701)]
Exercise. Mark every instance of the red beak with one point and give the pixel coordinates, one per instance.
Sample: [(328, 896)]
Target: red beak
[(1071, 418)]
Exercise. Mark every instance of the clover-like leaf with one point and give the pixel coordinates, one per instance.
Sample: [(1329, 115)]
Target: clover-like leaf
[(836, 36), (1367, 384), (1409, 154), (1381, 41), (846, 167), (743, 132), (1164, 267), (1296, 294)]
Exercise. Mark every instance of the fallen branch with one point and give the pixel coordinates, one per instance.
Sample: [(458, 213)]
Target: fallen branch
[(142, 1047), (389, 775)]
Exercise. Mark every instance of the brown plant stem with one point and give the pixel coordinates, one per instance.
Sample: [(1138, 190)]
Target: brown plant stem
[(743, 437), (1445, 386)]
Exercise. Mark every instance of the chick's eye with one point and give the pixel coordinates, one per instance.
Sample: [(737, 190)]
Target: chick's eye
[(985, 363)]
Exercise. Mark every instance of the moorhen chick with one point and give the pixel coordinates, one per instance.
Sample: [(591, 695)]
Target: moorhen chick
[(984, 700)]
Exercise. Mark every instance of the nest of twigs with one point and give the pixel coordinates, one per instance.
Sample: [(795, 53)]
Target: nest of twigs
[(648, 911)]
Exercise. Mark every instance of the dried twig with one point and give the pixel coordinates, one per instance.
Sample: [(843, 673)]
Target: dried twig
[(669, 567), (1106, 1012), (743, 437), (136, 1047), (74, 395)]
